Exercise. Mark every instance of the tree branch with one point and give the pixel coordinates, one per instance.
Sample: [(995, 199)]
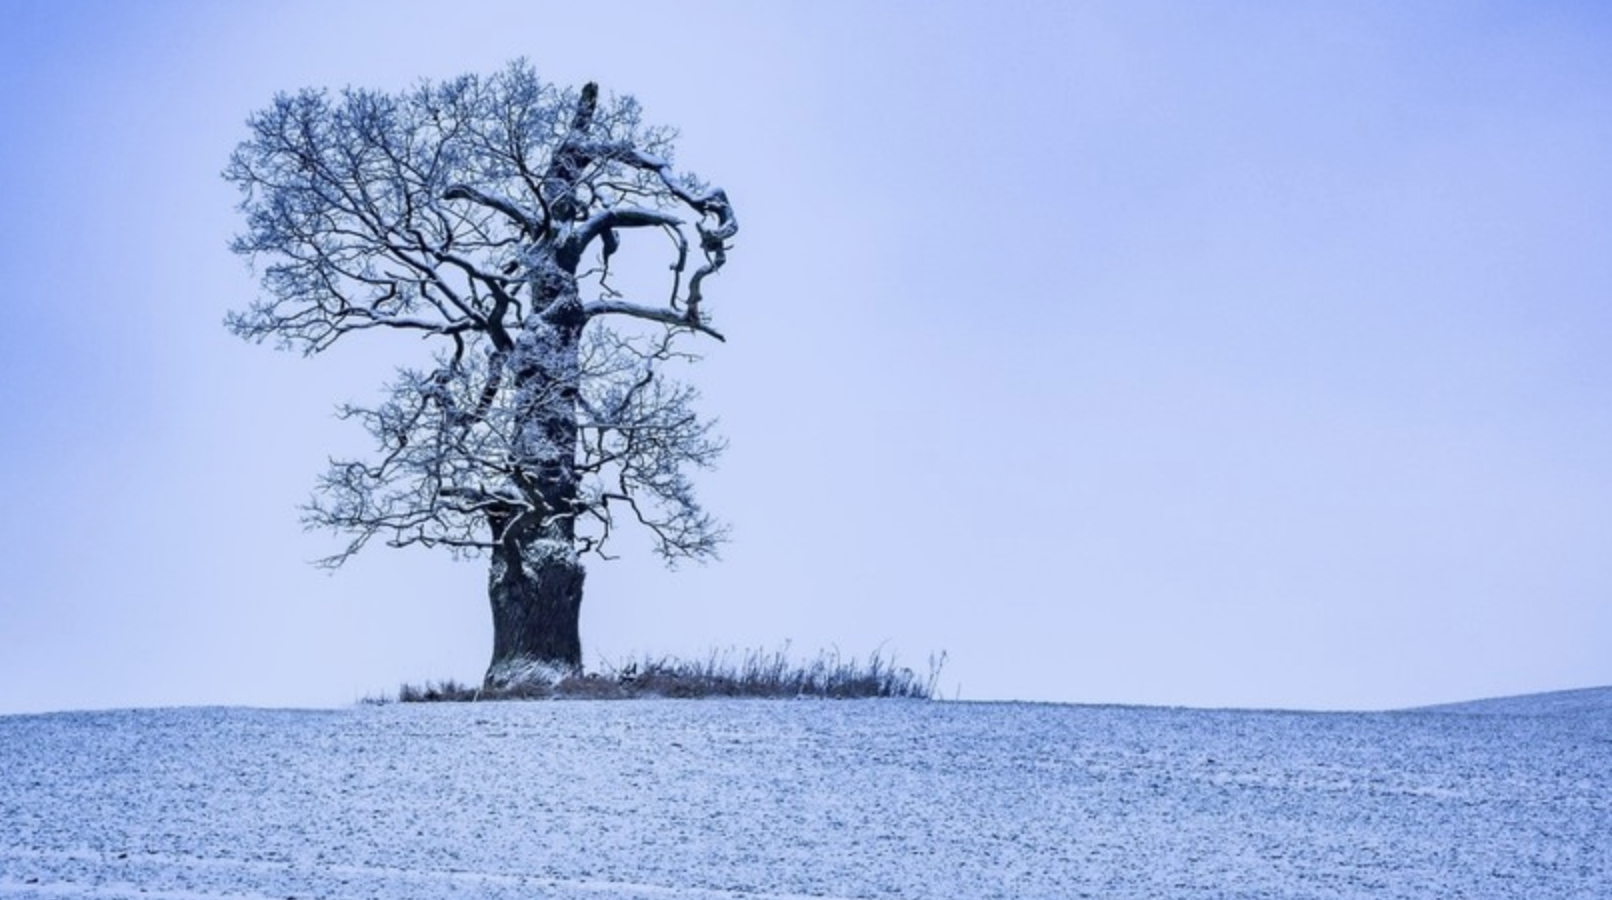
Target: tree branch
[(619, 217), (713, 202), (653, 314), (533, 227)]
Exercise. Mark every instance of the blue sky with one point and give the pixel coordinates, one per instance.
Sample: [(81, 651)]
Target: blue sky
[(1235, 354)]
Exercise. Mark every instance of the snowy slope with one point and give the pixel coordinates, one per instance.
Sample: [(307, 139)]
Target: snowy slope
[(749, 799), (1582, 702)]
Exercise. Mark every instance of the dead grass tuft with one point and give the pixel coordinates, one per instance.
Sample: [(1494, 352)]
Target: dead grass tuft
[(722, 673)]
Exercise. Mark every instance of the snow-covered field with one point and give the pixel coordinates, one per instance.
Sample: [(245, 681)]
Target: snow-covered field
[(758, 799)]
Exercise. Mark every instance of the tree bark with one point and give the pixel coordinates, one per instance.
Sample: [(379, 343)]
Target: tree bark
[(535, 586)]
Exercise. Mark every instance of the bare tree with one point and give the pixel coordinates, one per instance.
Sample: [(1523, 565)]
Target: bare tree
[(484, 215)]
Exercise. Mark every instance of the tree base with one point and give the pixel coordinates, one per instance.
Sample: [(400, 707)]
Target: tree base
[(535, 587), (517, 672)]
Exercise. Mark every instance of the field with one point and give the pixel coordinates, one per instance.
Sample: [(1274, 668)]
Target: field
[(773, 799)]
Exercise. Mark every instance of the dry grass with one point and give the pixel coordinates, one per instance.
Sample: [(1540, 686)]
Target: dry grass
[(752, 674)]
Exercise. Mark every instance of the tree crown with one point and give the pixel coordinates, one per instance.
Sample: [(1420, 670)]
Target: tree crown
[(474, 212)]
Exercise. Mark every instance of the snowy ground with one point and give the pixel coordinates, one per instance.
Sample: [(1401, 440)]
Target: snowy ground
[(756, 799)]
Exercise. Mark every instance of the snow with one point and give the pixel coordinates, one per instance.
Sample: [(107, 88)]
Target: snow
[(1585, 701), (756, 799)]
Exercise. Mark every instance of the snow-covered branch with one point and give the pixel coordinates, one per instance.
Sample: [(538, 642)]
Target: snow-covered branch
[(709, 202), (530, 224), (628, 217), (686, 319)]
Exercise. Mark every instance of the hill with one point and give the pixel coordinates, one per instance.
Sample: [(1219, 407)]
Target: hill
[(1595, 701)]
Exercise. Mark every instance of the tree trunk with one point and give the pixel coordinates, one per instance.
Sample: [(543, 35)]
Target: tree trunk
[(535, 587), (535, 584)]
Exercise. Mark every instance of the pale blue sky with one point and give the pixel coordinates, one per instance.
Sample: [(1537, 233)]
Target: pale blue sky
[(1244, 354)]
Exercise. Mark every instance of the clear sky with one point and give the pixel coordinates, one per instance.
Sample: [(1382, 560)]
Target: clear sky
[(1227, 354)]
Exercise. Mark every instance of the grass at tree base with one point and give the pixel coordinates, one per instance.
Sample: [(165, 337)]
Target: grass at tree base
[(757, 674)]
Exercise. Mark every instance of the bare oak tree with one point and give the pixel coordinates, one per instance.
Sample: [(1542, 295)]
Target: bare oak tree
[(484, 215)]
